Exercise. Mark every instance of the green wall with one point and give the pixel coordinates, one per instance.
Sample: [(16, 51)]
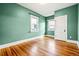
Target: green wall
[(72, 20), (46, 25), (15, 23), (78, 22)]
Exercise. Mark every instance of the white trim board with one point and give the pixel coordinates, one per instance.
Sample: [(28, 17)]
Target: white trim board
[(17, 42), (72, 41), (67, 40), (49, 35)]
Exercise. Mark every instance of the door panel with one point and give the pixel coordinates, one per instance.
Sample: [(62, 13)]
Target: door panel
[(61, 27)]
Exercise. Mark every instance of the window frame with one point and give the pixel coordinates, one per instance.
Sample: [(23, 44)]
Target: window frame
[(48, 28), (35, 17)]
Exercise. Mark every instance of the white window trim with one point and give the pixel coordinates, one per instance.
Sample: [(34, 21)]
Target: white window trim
[(48, 25), (35, 17)]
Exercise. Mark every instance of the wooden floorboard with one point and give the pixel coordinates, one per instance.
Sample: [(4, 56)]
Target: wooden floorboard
[(45, 46)]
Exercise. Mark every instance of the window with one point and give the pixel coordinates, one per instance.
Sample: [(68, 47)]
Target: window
[(51, 25), (34, 23)]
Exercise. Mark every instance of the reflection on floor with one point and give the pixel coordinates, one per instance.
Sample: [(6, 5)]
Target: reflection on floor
[(41, 47)]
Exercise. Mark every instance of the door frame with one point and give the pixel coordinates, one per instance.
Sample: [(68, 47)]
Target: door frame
[(66, 25)]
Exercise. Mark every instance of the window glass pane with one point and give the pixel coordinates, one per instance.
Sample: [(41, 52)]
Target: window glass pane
[(34, 24), (51, 25)]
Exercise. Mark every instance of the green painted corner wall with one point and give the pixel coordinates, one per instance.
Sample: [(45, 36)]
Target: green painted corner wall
[(78, 22), (15, 23), (72, 20), (46, 25)]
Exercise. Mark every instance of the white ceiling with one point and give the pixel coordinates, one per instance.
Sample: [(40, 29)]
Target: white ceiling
[(46, 9)]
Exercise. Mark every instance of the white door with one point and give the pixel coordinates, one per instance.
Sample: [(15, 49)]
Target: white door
[(61, 27)]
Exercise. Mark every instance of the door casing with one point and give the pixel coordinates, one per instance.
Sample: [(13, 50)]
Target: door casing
[(61, 27)]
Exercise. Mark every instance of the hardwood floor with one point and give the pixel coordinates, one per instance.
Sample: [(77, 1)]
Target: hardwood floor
[(41, 47)]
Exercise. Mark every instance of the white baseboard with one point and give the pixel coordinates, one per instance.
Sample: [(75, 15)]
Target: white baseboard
[(17, 42), (49, 35), (67, 40), (72, 41)]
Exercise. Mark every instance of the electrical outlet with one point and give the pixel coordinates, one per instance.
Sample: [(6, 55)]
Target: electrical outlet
[(70, 37)]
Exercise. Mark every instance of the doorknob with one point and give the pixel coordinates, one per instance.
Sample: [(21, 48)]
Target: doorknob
[(64, 30)]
